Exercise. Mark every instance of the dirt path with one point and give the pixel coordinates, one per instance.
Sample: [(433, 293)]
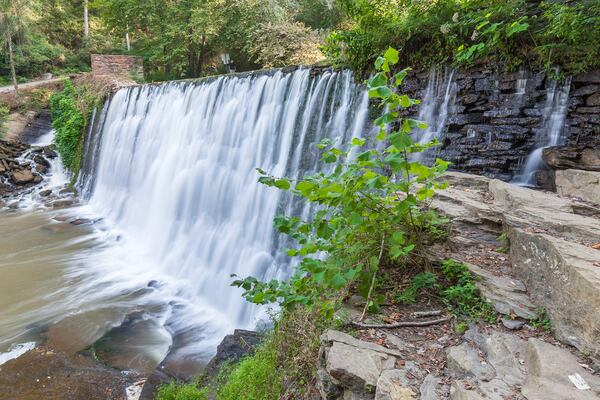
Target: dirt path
[(30, 85)]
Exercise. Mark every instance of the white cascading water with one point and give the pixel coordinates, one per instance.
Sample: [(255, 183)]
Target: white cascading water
[(436, 105), (551, 134), (174, 178)]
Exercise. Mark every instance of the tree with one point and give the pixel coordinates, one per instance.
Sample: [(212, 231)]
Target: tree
[(286, 43), (11, 26), (86, 22)]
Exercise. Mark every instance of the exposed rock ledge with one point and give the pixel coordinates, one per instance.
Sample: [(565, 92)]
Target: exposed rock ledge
[(487, 365), (553, 251), (553, 263)]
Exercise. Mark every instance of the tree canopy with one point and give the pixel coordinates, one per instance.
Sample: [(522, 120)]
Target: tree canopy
[(184, 38)]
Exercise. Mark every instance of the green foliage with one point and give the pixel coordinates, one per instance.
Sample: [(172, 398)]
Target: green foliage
[(461, 327), (462, 295), (285, 43), (570, 36), (184, 38), (463, 31), (371, 208), (503, 239), (69, 122), (176, 391), (420, 282), (542, 321), (287, 355), (255, 378), (71, 109), (4, 112), (493, 33)]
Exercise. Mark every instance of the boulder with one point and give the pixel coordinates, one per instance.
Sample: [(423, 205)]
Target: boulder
[(572, 157), (584, 185), (507, 294), (512, 324), (65, 203), (553, 373), (22, 177), (493, 390), (502, 352), (392, 385), (349, 368), (45, 373), (564, 278), (464, 361), (232, 349), (551, 239), (429, 388)]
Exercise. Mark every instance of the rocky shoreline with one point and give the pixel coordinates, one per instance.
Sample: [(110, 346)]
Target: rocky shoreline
[(22, 166)]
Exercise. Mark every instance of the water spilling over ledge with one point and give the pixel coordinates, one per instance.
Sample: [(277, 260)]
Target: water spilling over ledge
[(172, 173)]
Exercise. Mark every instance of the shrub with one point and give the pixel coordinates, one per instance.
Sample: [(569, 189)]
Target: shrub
[(71, 110), (372, 208), (570, 36), (282, 367), (4, 111), (176, 391), (255, 378), (509, 33), (285, 43), (462, 295), (419, 283), (69, 122)]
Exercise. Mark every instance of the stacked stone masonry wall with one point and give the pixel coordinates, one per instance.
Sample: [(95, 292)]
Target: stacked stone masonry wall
[(116, 65), (491, 129)]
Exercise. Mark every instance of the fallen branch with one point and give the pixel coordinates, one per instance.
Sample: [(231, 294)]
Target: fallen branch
[(421, 314), (401, 324)]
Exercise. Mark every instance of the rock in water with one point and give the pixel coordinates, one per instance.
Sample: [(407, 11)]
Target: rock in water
[(22, 177)]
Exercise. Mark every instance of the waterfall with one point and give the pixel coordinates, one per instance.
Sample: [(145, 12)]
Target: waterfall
[(436, 105), (551, 134), (171, 170)]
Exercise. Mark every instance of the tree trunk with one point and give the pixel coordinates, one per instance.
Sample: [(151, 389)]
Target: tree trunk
[(127, 38), (11, 61), (201, 55), (86, 23)]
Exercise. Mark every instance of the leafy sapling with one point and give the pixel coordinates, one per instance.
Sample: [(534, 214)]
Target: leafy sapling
[(371, 209)]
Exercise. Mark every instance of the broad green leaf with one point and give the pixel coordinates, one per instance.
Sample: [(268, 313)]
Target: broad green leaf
[(392, 55), (283, 184), (381, 92), (400, 140), (338, 281), (379, 79), (358, 142)]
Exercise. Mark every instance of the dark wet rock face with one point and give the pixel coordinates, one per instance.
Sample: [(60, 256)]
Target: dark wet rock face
[(232, 349), (494, 121)]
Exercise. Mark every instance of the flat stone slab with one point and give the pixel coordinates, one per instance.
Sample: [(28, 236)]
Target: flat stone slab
[(554, 373), (577, 183), (564, 278)]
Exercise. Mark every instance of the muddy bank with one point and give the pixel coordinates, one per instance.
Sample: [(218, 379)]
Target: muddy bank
[(45, 373)]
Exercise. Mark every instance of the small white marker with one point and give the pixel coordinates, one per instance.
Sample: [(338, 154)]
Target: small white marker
[(579, 382)]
